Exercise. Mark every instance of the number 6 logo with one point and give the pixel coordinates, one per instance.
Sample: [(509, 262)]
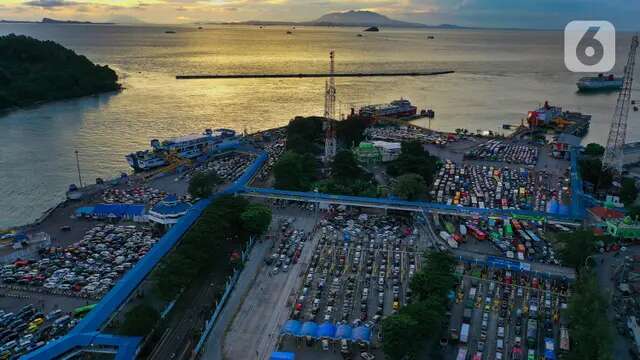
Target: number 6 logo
[(589, 46)]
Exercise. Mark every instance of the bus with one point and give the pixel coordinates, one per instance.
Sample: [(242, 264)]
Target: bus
[(533, 236), (83, 310), (564, 339), (462, 354), (549, 349), (477, 233)]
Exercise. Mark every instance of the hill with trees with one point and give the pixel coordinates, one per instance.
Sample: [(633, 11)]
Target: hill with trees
[(34, 71)]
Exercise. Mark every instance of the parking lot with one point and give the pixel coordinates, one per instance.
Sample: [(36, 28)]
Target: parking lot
[(87, 268), (500, 314), (486, 186), (504, 151), (359, 272), (523, 240), (26, 328)]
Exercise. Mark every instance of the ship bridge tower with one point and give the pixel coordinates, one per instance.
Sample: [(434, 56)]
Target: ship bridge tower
[(330, 142)]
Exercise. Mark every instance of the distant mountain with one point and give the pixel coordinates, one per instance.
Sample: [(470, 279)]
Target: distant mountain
[(361, 18), (351, 18), (53, 21)]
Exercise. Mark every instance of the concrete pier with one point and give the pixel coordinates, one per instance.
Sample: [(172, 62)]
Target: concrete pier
[(308, 75)]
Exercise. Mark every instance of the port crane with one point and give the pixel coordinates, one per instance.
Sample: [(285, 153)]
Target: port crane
[(613, 155)]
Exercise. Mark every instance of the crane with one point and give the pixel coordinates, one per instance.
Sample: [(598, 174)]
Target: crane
[(613, 155)]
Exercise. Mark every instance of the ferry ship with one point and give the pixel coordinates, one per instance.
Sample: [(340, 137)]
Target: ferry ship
[(600, 83), (185, 147), (397, 108)]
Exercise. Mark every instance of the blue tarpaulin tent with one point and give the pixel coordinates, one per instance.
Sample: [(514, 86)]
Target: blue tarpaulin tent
[(310, 329), (119, 211), (327, 330), (282, 356), (291, 327), (343, 332), (362, 333)]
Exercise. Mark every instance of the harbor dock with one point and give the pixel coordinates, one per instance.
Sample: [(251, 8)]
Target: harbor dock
[(309, 75)]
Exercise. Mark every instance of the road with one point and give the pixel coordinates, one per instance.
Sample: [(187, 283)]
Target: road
[(254, 329)]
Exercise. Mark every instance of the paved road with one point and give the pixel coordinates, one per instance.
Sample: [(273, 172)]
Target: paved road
[(254, 329), (212, 348)]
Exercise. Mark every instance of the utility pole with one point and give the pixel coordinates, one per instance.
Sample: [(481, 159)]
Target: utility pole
[(78, 166)]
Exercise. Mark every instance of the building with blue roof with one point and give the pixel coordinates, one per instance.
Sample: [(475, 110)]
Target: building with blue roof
[(168, 211)]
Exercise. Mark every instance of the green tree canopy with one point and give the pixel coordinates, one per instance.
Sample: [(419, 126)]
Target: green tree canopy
[(414, 159), (345, 167), (203, 183), (409, 186), (140, 320), (294, 171), (303, 134), (628, 192), (256, 218), (33, 71), (577, 246), (593, 149), (588, 324), (591, 171), (351, 131), (399, 336)]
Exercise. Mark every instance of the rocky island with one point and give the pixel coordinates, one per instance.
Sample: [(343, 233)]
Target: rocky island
[(34, 71)]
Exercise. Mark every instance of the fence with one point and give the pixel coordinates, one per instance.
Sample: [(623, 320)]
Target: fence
[(228, 288)]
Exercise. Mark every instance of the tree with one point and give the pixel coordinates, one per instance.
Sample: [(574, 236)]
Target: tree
[(345, 167), (588, 322), (399, 340), (351, 131), (436, 279), (577, 246), (628, 192), (256, 218), (593, 149), (34, 71), (409, 186), (591, 171), (303, 133), (414, 159), (294, 171), (203, 183), (140, 320)]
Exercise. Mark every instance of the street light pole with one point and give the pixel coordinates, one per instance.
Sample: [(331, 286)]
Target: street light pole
[(78, 166)]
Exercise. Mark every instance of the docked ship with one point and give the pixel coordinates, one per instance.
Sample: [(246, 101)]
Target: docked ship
[(600, 83), (397, 108), (184, 147)]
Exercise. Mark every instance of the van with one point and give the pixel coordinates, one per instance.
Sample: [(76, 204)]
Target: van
[(61, 321)]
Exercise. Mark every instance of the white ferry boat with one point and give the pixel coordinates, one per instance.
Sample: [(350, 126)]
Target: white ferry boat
[(186, 147)]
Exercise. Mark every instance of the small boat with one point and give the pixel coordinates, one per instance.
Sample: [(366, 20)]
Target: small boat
[(600, 83), (169, 32), (289, 32), (430, 37), (359, 35)]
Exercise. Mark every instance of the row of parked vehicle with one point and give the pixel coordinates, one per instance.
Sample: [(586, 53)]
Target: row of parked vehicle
[(228, 166), (527, 322), (503, 151), (288, 249), (133, 195), (88, 268), (358, 273), (29, 329), (491, 187)]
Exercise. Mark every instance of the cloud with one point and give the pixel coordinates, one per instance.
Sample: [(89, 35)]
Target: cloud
[(49, 3)]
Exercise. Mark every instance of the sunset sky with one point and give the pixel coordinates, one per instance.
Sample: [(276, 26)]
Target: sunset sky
[(543, 14)]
